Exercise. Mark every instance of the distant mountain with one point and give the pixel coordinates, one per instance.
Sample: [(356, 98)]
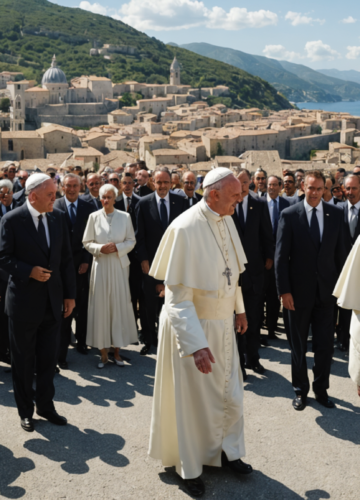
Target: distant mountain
[(31, 31), (350, 75), (297, 82)]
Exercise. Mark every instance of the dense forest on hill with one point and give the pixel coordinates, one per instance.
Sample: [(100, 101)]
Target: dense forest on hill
[(31, 31)]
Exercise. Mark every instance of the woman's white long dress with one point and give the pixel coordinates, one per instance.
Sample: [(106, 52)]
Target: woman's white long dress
[(111, 319)]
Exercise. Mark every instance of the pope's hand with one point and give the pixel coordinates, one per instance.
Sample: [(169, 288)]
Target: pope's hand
[(241, 323), (108, 248), (288, 301), (203, 359)]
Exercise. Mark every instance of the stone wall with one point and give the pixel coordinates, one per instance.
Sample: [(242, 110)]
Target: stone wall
[(300, 147)]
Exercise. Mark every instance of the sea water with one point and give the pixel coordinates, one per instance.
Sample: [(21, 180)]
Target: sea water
[(336, 107)]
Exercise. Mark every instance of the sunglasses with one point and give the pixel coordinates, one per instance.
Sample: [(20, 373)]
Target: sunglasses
[(22, 178), (95, 184), (260, 178)]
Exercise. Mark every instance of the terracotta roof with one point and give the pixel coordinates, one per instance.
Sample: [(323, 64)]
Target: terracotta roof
[(36, 89), (82, 152)]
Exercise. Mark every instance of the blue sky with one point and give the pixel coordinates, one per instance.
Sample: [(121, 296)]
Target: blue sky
[(320, 34)]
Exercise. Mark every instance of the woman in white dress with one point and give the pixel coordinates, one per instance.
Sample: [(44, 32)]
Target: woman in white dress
[(109, 237)]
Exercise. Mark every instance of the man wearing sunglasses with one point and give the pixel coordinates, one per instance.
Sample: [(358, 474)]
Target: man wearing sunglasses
[(94, 183), (189, 181), (260, 180)]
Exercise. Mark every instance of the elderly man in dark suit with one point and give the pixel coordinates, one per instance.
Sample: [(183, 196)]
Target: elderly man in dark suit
[(153, 215), (93, 183), (275, 204), (252, 221), (7, 201), (76, 212), (351, 231), (189, 181), (35, 250), (309, 256), (142, 178)]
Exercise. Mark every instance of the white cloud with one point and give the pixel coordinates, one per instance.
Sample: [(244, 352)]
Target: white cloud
[(95, 8), (349, 20), (319, 51), (353, 52), (280, 52), (167, 15), (296, 18)]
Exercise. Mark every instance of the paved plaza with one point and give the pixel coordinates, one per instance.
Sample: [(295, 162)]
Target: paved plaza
[(102, 452)]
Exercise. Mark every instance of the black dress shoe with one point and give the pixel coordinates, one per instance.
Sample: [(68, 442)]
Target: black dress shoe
[(299, 402), (325, 401), (244, 374), (195, 487), (27, 424), (237, 466), (57, 369), (82, 349), (257, 368), (52, 416), (263, 341), (145, 350), (63, 365)]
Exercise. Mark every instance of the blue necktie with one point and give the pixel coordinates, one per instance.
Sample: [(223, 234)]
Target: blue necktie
[(72, 213), (241, 216), (163, 214), (275, 217), (315, 229)]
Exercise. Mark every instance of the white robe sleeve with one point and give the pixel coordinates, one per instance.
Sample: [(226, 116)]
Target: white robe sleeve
[(239, 304), (89, 238), (128, 244), (190, 336)]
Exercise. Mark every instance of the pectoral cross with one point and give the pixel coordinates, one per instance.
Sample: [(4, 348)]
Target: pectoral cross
[(227, 273)]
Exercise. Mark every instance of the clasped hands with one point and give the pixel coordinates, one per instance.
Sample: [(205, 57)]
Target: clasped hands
[(109, 248), (204, 358)]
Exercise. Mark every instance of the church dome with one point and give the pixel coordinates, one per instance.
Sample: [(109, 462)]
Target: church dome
[(175, 64), (53, 74)]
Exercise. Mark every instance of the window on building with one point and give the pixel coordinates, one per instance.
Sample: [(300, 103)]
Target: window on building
[(22, 156), (18, 87), (10, 145), (55, 150), (20, 126), (18, 105)]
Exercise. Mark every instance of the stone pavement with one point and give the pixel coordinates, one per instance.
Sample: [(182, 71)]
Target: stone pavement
[(102, 453)]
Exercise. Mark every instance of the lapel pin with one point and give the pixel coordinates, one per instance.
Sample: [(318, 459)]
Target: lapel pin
[(328, 215), (251, 208)]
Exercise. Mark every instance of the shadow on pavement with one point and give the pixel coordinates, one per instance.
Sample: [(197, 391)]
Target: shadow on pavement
[(221, 483), (10, 470), (75, 448)]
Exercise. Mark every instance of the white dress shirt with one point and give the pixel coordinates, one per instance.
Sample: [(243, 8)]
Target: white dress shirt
[(244, 206), (319, 215), (357, 208), (35, 217), (68, 203), (271, 207), (3, 208), (167, 203)]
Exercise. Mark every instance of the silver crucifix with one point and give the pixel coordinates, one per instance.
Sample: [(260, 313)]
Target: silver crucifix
[(227, 273)]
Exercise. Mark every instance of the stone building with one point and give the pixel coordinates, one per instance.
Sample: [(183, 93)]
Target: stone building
[(175, 72)]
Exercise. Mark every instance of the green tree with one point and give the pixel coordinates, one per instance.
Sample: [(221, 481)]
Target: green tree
[(219, 150), (5, 105)]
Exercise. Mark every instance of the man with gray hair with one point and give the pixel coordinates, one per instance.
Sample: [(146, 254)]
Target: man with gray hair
[(7, 202), (35, 251), (197, 416), (77, 212)]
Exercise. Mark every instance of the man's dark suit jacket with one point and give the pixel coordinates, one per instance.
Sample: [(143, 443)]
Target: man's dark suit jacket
[(19, 197), (282, 205), (348, 240), (299, 268), (76, 232), (21, 250), (197, 197), (89, 199), (120, 205), (257, 241), (143, 191), (149, 230)]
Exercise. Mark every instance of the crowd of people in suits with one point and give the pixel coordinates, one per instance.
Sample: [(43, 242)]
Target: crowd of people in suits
[(86, 244)]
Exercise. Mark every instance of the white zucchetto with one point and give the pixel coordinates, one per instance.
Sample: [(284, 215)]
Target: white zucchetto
[(216, 175), (35, 180)]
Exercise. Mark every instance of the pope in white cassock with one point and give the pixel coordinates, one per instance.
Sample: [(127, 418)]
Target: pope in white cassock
[(197, 416), (347, 290)]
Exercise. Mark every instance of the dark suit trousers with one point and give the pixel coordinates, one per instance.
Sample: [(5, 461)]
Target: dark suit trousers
[(4, 328), (79, 314), (271, 300), (344, 326), (34, 347), (321, 318), (137, 294), (249, 343), (151, 303)]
